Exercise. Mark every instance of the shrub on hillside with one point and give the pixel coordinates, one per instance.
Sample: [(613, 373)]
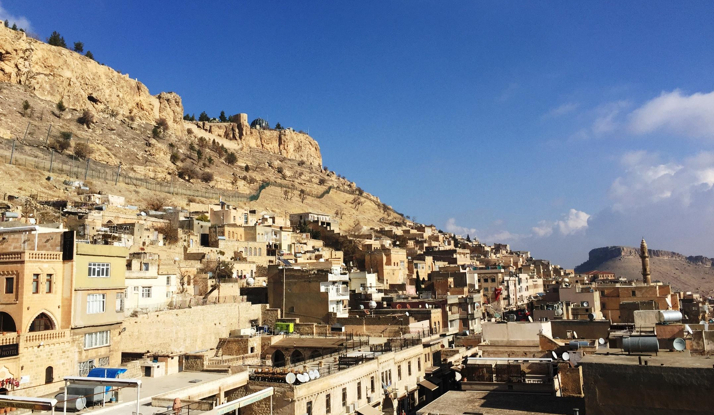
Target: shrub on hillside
[(231, 158), (206, 177), (82, 150), (59, 145), (188, 172), (87, 118), (174, 158)]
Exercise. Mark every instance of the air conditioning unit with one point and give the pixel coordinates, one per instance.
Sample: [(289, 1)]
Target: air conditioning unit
[(350, 408)]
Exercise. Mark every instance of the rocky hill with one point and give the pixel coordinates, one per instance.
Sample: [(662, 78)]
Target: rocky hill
[(145, 136), (54, 73), (687, 273)]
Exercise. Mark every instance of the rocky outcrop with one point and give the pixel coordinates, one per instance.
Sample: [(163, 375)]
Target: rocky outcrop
[(599, 256), (288, 143), (55, 73)]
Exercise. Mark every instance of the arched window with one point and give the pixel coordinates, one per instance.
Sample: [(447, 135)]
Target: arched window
[(260, 251), (43, 322), (7, 324), (296, 357), (49, 375), (278, 359)]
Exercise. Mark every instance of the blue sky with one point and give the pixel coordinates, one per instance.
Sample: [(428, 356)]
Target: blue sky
[(556, 127)]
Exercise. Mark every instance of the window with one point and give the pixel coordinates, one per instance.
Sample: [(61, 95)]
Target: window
[(359, 390), (98, 270), (409, 368), (328, 404), (145, 292), (35, 283), (309, 407), (120, 303), (9, 285), (136, 290), (96, 339), (145, 266), (493, 280), (399, 372), (419, 364), (371, 384), (48, 283), (168, 280), (634, 293), (95, 303), (344, 396), (602, 306)]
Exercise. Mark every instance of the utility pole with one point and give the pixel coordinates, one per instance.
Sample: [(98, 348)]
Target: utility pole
[(47, 140), (118, 173), (26, 130), (12, 153)]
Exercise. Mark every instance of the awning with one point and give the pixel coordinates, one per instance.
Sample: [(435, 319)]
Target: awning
[(368, 410), (105, 372), (428, 385)]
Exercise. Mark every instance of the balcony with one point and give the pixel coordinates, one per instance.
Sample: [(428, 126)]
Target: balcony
[(30, 256), (49, 336)]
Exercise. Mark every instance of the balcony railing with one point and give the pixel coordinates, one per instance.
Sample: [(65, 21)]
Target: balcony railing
[(45, 336), (30, 256)]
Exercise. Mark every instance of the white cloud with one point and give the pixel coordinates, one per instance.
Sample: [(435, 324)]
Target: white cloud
[(573, 222), (452, 227), (561, 110), (21, 21), (503, 236), (607, 119), (676, 113), (647, 180)]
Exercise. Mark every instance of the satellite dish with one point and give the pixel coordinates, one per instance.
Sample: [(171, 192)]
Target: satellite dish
[(555, 356), (558, 312), (575, 334), (601, 341), (265, 283), (361, 307), (585, 304), (406, 313), (317, 374), (679, 344), (304, 377), (250, 281), (530, 319), (312, 375), (372, 305), (457, 376), (566, 356), (290, 378), (689, 329), (591, 316), (669, 302)]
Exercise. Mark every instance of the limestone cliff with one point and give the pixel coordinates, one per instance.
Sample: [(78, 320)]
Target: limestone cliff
[(288, 143), (55, 73), (689, 273)]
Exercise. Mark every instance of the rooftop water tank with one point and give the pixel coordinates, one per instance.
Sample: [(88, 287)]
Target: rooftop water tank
[(640, 344), (669, 316)]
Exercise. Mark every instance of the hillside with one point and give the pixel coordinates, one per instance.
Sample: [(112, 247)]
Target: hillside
[(112, 120), (686, 273)]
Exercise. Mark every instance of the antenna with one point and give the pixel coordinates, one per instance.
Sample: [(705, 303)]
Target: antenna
[(669, 303), (566, 356), (679, 344), (689, 329), (290, 378)]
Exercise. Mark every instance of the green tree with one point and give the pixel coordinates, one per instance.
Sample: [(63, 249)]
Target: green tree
[(278, 126), (187, 117), (60, 107), (204, 117), (231, 158), (14, 26), (199, 154), (55, 39), (78, 47), (222, 117), (89, 54), (7, 24), (468, 238), (193, 117)]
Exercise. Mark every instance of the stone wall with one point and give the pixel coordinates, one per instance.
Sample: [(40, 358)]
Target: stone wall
[(187, 330), (288, 143)]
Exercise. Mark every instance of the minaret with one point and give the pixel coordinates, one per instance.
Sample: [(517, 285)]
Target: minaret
[(645, 256)]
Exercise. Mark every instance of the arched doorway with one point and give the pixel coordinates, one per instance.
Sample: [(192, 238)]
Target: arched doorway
[(315, 354), (278, 359), (296, 357), (49, 374), (7, 323), (43, 322)]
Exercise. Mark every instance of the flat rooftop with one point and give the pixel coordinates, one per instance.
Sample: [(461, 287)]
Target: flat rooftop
[(494, 403), (663, 358)]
